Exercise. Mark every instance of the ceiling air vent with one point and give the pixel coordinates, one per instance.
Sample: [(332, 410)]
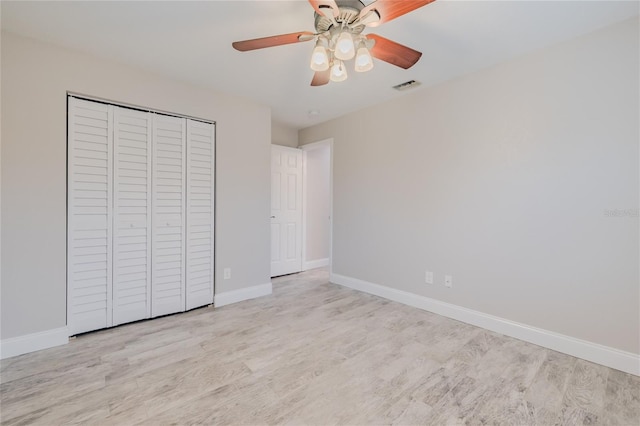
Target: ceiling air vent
[(407, 85)]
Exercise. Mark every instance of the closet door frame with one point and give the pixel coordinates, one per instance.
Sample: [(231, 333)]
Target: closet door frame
[(111, 207)]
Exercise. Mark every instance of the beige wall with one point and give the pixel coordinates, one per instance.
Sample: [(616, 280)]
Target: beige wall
[(503, 179), (35, 79), (281, 134)]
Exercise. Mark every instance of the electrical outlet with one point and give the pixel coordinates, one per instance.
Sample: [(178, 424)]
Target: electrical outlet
[(227, 273), (448, 281), (428, 277)]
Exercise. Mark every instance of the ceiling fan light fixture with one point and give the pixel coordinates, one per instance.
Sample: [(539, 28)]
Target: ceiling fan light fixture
[(338, 72), (319, 58), (339, 26), (364, 62), (345, 49)]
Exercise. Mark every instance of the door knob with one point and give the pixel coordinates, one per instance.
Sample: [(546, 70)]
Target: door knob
[(273, 217)]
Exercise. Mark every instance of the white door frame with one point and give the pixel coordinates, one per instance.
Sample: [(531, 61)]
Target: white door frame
[(305, 149)]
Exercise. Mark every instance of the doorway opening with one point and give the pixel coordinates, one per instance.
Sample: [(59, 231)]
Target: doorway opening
[(317, 199), (301, 207)]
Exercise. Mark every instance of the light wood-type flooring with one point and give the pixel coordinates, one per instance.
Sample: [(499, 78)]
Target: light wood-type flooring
[(311, 353)]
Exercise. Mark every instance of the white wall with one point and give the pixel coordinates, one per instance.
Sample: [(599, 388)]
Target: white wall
[(35, 79), (503, 178), (317, 203), (281, 134)]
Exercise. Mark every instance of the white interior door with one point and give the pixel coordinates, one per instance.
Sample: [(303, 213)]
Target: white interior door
[(131, 215), (286, 210), (89, 239), (200, 211), (168, 204)]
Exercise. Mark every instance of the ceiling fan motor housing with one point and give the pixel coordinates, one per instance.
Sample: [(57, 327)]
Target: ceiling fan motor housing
[(349, 12)]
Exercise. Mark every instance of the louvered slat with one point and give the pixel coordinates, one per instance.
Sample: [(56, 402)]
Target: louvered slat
[(89, 235), (132, 215), (168, 188), (200, 213)]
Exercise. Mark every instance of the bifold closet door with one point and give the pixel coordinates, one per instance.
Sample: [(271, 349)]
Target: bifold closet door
[(89, 228), (200, 213), (132, 215), (140, 240), (168, 218)]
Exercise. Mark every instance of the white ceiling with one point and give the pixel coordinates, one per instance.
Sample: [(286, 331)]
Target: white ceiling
[(191, 41)]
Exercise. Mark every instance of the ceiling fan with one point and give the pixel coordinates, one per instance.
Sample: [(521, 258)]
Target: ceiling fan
[(339, 25)]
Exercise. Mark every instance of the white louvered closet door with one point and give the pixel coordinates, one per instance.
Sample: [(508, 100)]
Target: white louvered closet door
[(200, 213), (89, 238), (132, 215), (169, 203)]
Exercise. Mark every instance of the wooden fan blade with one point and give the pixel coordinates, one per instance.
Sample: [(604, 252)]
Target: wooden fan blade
[(393, 53), (278, 40), (320, 78), (392, 9), (323, 7)]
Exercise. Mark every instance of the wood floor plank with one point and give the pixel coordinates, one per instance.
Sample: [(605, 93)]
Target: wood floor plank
[(586, 388), (549, 385), (621, 399)]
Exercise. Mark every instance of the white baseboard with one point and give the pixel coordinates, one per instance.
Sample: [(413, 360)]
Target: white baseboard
[(33, 342), (600, 354), (313, 264), (229, 297)]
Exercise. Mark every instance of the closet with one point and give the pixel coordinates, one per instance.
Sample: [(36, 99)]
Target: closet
[(140, 214)]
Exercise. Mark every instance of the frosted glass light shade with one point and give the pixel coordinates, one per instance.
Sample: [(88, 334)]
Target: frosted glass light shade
[(319, 59), (345, 49), (338, 72), (364, 62)]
